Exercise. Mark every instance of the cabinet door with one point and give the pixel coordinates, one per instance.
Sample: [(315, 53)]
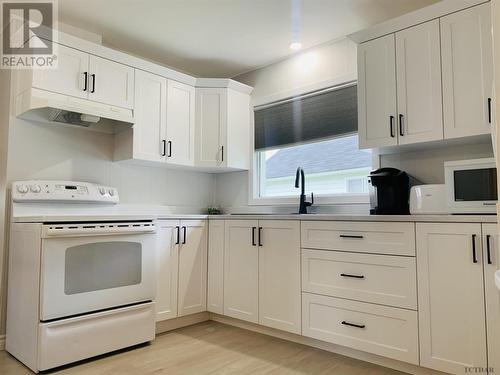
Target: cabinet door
[(167, 259), (241, 268), (418, 61), (491, 260), (211, 110), (467, 68), (69, 77), (111, 82), (150, 116), (215, 290), (279, 275), (193, 267), (180, 123), (377, 93), (450, 297)]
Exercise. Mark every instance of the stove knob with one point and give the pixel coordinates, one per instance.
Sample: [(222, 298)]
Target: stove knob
[(35, 189), (111, 192), (102, 191), (23, 189)]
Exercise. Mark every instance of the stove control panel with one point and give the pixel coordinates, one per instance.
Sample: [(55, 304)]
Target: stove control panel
[(63, 191)]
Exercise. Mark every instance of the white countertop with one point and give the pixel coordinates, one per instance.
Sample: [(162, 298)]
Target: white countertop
[(28, 213), (343, 217)]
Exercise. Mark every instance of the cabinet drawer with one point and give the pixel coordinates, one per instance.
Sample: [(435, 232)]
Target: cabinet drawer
[(381, 330), (363, 237), (73, 339), (383, 279)]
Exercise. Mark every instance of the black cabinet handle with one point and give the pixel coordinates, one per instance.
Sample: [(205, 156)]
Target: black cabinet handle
[(169, 149), (93, 83), (474, 255), (401, 130), (86, 77), (253, 236), (351, 236), (184, 229), (222, 153), (163, 147), (353, 276), (488, 249), (391, 126), (489, 110), (353, 325), (178, 228), (260, 236)]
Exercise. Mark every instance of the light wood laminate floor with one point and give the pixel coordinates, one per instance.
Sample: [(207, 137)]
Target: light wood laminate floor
[(214, 348)]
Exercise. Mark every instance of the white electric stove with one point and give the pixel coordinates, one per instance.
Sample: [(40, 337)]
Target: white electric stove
[(81, 273)]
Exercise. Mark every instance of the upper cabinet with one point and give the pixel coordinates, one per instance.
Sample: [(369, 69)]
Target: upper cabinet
[(418, 77), (222, 128), (86, 76), (467, 60), (377, 93), (164, 123), (427, 82)]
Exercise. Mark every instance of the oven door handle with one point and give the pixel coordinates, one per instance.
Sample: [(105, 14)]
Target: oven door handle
[(96, 229)]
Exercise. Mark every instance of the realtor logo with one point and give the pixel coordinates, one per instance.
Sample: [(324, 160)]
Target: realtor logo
[(28, 34)]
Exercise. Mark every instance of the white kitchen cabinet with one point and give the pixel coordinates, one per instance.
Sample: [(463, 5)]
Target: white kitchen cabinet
[(241, 270), (467, 66), (69, 77), (419, 97), (192, 287), (451, 296), (215, 289), (148, 133), (222, 128), (279, 275), (377, 93), (491, 261), (167, 260), (180, 123), (111, 82)]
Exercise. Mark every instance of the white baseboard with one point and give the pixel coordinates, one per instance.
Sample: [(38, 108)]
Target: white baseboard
[(347, 352), (183, 321)]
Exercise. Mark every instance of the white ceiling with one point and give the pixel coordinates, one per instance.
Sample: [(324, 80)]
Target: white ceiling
[(223, 38)]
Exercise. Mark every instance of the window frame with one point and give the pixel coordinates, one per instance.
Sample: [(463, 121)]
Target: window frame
[(253, 180)]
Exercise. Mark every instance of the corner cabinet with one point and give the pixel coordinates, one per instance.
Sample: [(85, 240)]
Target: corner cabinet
[(428, 82), (164, 123), (222, 128)]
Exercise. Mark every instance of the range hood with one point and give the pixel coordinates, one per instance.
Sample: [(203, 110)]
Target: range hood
[(41, 105)]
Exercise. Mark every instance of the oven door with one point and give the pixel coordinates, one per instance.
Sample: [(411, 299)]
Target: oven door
[(92, 267)]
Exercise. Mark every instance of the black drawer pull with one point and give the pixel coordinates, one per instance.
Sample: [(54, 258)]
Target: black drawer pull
[(489, 110), (474, 255), (488, 249), (353, 325), (351, 236), (353, 276), (391, 126), (260, 236), (401, 128), (253, 236)]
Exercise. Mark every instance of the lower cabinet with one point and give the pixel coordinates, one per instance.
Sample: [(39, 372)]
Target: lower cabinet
[(382, 330), (181, 268), (491, 260), (215, 287), (262, 272), (451, 297)]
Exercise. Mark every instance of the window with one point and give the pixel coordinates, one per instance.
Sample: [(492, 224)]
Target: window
[(318, 132), (332, 167)]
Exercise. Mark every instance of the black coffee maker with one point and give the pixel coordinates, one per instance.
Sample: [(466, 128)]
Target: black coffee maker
[(390, 191)]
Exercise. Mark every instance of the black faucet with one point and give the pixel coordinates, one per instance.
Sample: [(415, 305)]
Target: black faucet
[(303, 204)]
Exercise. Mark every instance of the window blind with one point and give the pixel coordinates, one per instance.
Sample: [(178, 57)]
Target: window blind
[(320, 115)]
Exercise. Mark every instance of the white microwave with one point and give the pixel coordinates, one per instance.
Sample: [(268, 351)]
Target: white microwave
[(471, 186)]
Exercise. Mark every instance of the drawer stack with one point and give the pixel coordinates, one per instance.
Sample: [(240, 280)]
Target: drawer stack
[(359, 286)]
